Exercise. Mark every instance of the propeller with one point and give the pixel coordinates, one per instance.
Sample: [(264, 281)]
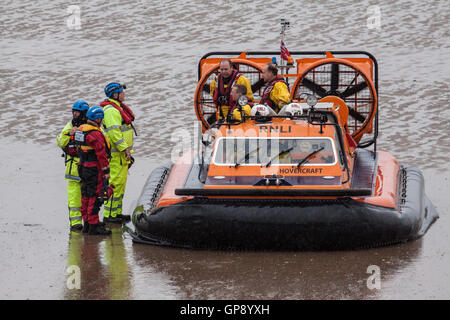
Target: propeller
[(333, 79), (353, 90)]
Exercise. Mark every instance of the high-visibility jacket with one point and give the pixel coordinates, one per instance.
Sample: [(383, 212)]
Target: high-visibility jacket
[(223, 109), (66, 142), (237, 112), (276, 94), (118, 132)]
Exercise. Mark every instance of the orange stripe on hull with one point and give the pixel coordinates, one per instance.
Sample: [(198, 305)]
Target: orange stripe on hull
[(386, 189), (176, 179)]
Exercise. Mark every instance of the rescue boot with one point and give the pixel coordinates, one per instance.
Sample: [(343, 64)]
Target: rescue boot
[(112, 220), (124, 217), (98, 229), (86, 227), (76, 227)]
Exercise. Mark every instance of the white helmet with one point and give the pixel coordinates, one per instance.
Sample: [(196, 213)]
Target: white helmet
[(261, 109), (292, 109)]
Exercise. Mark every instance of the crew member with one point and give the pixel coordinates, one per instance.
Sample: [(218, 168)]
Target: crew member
[(94, 169), (66, 142), (237, 110), (276, 94), (221, 87), (118, 123)]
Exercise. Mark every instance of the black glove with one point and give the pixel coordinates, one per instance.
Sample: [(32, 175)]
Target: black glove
[(131, 162)]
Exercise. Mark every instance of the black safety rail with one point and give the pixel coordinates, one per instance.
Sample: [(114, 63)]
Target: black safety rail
[(274, 192), (297, 53)]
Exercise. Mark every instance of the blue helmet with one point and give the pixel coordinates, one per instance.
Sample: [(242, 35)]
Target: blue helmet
[(113, 87), (80, 105), (95, 112)]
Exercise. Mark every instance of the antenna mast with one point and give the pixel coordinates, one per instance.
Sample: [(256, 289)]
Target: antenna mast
[(284, 25)]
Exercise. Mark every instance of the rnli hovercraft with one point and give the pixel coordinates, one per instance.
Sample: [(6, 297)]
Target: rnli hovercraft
[(300, 179)]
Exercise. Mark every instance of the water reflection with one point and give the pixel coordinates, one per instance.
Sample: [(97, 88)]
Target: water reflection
[(276, 275), (103, 266), (115, 259)]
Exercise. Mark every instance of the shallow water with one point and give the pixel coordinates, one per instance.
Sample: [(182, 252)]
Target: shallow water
[(154, 47)]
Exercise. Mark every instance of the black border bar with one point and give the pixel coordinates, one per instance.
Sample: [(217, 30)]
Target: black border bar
[(274, 192)]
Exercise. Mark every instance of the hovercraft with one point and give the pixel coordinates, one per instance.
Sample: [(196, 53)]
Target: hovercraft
[(300, 179)]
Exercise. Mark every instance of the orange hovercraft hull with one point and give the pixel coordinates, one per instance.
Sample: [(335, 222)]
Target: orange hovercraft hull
[(398, 212)]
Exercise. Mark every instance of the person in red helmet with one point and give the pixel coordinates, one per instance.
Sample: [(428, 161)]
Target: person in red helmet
[(93, 169)]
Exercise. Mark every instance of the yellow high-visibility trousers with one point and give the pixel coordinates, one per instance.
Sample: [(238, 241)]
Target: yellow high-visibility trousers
[(119, 172), (74, 202)]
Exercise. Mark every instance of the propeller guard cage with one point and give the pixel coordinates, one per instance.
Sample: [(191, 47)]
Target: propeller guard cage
[(349, 75)]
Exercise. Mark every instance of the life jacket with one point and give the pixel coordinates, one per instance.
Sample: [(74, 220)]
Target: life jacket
[(87, 153), (222, 95), (266, 94), (125, 112), (71, 149)]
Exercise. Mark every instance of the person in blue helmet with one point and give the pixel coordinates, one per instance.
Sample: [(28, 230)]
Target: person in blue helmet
[(118, 124), (94, 170), (65, 141)]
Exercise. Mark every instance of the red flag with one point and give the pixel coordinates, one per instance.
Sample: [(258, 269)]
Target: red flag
[(352, 143), (284, 52)]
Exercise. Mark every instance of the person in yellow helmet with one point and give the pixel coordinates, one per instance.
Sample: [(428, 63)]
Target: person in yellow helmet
[(66, 142), (119, 130), (276, 94), (220, 87), (241, 106)]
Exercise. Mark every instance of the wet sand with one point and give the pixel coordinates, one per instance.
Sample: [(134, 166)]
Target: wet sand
[(45, 67), (36, 248)]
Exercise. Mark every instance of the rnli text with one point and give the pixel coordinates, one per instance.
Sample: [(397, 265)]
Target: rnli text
[(281, 129)]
